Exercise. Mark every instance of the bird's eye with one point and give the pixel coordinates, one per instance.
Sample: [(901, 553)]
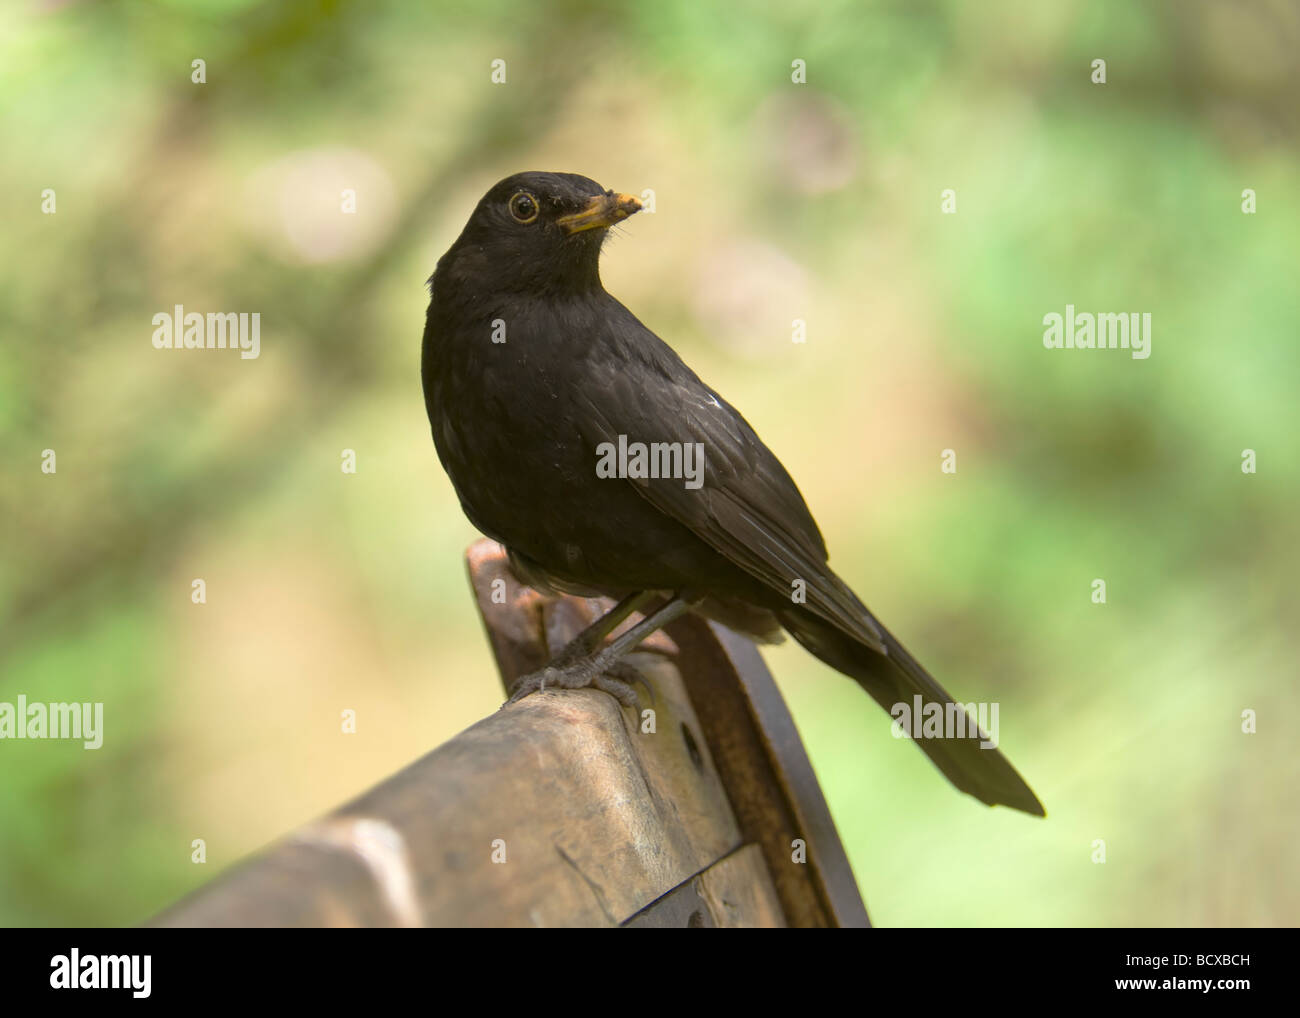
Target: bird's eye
[(523, 206)]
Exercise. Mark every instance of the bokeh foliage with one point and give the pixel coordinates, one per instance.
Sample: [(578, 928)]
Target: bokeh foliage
[(775, 201)]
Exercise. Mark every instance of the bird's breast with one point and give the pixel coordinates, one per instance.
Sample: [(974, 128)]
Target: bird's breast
[(502, 417)]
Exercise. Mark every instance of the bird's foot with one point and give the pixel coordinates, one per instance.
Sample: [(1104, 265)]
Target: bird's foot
[(600, 671)]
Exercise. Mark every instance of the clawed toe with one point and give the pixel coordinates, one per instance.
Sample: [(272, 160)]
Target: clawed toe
[(530, 683), (627, 675), (616, 678), (618, 689)]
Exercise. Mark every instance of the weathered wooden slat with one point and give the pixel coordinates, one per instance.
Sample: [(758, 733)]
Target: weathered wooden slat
[(567, 810), (558, 811)]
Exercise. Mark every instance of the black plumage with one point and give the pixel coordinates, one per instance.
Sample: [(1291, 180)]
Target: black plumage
[(529, 366)]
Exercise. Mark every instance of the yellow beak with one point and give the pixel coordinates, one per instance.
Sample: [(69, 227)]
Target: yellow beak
[(602, 211)]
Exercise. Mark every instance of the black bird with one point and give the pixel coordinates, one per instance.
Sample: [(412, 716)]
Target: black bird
[(533, 376)]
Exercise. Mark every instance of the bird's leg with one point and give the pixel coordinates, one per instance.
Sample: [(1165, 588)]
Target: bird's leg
[(585, 643), (604, 669), (678, 606)]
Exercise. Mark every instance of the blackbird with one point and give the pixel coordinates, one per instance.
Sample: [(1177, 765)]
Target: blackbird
[(580, 441)]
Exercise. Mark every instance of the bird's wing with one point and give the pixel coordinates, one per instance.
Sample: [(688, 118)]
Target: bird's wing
[(748, 509)]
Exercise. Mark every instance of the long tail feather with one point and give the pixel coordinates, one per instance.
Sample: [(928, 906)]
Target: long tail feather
[(897, 678)]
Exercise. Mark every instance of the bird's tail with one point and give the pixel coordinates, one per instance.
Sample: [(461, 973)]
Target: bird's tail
[(896, 678)]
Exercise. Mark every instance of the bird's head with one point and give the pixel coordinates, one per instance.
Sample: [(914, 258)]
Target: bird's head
[(536, 232)]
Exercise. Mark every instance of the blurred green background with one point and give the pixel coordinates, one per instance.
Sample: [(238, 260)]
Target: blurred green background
[(775, 201)]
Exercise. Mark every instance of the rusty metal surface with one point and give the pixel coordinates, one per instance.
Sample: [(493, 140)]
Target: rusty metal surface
[(750, 734), (831, 870)]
